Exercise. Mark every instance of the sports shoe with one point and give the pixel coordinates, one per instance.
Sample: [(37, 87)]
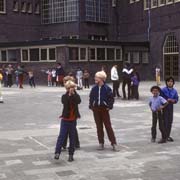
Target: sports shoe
[(56, 156), (101, 147), (115, 148), (162, 141), (170, 139), (71, 158), (153, 140)]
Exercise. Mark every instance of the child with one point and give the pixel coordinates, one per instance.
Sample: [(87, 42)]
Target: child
[(171, 95), (86, 78), (158, 76), (53, 77), (79, 77), (31, 79), (1, 78), (157, 104), (135, 86), (70, 114), (100, 102), (49, 77)]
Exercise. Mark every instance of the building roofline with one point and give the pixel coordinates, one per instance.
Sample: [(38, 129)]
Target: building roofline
[(46, 42)]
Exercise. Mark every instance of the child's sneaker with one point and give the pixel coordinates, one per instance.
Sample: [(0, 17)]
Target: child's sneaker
[(101, 147), (71, 158), (115, 148), (153, 140), (56, 156), (162, 141)]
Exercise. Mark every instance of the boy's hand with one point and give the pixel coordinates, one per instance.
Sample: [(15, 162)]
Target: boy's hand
[(171, 100), (160, 108)]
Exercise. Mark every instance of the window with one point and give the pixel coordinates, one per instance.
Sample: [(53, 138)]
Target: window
[(34, 54), (162, 2), (92, 54), (147, 4), (154, 3), (169, 1), (118, 54), (2, 6), (44, 54), (114, 3), (73, 54), (131, 1), (101, 54), (145, 57), (171, 45), (23, 7), (52, 54), (25, 55), (29, 8), (56, 11), (15, 6), (110, 54), (12, 55), (97, 11), (135, 57), (3, 55), (83, 54), (37, 9)]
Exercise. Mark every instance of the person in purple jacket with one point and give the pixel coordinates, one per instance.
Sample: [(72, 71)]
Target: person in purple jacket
[(135, 80), (171, 95)]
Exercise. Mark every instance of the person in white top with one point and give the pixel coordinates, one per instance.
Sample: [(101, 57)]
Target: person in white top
[(158, 76), (115, 81)]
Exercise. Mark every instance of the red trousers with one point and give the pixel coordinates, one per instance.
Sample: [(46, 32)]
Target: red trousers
[(21, 79), (102, 117)]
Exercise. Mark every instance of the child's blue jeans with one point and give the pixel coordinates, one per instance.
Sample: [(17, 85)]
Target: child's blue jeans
[(67, 128)]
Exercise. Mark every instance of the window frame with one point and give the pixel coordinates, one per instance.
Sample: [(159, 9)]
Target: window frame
[(4, 11)]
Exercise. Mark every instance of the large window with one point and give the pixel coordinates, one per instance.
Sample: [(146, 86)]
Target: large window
[(59, 11), (97, 10), (110, 54), (12, 55), (3, 55), (73, 53), (2, 6)]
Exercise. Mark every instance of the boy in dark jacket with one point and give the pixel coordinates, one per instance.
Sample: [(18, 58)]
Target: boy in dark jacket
[(70, 114), (171, 95), (100, 102)]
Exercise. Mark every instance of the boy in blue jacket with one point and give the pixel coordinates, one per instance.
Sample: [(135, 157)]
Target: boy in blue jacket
[(100, 102), (171, 95)]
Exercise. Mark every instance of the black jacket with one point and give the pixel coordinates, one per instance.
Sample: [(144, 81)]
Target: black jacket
[(67, 101)]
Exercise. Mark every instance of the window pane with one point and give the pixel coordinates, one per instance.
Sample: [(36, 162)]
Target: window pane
[(92, 54), (12, 55), (2, 5), (145, 57), (25, 55), (73, 54), (3, 55), (110, 54), (34, 54), (44, 54), (83, 53), (15, 6), (118, 54), (52, 54), (100, 53)]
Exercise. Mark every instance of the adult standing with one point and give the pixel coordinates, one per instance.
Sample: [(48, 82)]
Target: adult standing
[(59, 75), (21, 72), (158, 75), (79, 77), (9, 75), (115, 80), (127, 74), (100, 102)]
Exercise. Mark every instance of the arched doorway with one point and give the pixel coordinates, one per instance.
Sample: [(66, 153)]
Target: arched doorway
[(171, 57)]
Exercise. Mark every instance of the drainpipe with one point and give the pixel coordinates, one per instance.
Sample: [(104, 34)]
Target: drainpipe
[(149, 20)]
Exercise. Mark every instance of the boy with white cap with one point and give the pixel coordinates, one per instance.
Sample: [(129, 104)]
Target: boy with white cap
[(70, 114), (100, 102)]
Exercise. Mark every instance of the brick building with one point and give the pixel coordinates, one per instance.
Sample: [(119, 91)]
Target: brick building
[(91, 34)]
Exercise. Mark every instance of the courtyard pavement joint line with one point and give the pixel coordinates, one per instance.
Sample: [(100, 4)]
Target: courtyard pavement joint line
[(38, 142)]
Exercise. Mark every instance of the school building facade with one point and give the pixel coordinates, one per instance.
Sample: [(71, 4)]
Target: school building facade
[(91, 34)]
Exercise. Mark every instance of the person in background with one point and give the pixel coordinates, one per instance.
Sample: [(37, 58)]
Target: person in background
[(17, 78), (53, 77), (127, 74), (1, 78), (158, 76), (86, 76), (101, 102), (70, 114), (171, 95), (59, 75), (5, 77), (115, 80), (157, 104), (135, 86), (49, 77), (31, 79), (9, 71), (21, 72), (79, 77)]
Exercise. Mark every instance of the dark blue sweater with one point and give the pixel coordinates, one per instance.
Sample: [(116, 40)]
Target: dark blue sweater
[(104, 99)]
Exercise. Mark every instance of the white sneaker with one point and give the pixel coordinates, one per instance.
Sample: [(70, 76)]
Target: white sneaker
[(115, 148), (101, 147)]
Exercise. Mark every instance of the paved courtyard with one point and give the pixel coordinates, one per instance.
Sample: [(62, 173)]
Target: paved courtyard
[(29, 127)]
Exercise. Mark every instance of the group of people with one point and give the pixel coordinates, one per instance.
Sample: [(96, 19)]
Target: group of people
[(10, 73), (130, 79)]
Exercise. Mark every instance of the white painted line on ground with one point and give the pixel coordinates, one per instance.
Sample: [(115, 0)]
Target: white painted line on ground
[(38, 142)]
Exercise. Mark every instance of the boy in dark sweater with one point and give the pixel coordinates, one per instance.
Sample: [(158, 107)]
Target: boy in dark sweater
[(69, 116)]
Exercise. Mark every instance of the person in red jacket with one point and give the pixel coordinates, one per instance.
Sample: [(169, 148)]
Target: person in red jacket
[(70, 114)]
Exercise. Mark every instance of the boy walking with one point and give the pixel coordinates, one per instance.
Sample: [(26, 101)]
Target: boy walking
[(135, 86), (101, 101), (1, 78), (70, 114), (157, 104), (171, 95)]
